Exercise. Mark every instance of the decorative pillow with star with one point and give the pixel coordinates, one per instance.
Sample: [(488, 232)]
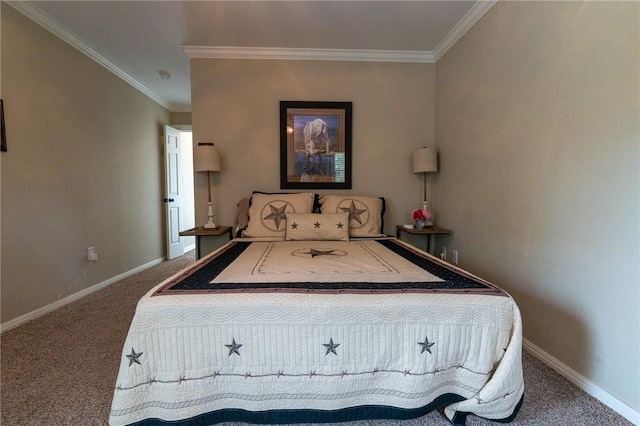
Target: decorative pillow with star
[(317, 227), (268, 213), (365, 213)]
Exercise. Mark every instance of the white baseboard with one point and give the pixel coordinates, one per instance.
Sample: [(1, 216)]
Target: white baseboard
[(75, 296), (189, 248), (583, 383)]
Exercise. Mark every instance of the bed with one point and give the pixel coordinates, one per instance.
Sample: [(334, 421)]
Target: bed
[(319, 326)]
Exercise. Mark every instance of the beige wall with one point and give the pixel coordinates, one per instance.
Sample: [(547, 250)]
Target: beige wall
[(236, 105), (537, 124), (83, 168), (181, 118)]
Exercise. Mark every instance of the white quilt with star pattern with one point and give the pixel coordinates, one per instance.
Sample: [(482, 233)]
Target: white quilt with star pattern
[(204, 355)]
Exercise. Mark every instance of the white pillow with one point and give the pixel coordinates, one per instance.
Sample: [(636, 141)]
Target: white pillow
[(365, 213), (267, 213)]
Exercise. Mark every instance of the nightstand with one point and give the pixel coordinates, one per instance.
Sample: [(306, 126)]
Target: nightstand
[(420, 238), (208, 239)]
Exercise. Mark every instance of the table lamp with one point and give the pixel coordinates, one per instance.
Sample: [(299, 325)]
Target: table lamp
[(425, 160), (207, 159)]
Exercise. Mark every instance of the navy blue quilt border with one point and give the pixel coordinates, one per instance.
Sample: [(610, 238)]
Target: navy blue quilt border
[(364, 412)]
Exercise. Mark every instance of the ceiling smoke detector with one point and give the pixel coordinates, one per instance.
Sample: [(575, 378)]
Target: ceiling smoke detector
[(165, 75)]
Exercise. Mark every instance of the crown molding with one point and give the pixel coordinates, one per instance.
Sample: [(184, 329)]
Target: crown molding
[(472, 16), (224, 52), (33, 13), (427, 57)]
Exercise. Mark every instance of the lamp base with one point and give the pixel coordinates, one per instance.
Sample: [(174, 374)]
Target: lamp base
[(210, 224), (429, 215)]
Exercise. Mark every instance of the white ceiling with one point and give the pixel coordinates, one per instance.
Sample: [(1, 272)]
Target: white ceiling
[(137, 39)]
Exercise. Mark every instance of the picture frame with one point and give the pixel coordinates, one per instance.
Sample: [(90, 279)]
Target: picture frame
[(315, 145), (3, 130)]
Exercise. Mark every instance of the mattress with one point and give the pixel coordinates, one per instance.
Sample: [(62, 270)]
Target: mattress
[(320, 331)]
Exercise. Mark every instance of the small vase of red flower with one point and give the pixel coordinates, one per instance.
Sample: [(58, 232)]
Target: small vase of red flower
[(422, 217)]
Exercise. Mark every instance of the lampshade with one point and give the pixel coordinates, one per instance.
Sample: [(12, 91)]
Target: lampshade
[(206, 158), (425, 160)]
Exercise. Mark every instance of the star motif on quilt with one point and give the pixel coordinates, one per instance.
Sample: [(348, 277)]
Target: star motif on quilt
[(134, 357), (316, 225), (316, 253), (331, 347), (354, 213), (233, 348), (426, 345), (340, 225), (294, 225), (277, 214)]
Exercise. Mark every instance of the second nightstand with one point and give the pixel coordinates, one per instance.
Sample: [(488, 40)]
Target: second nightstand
[(417, 237)]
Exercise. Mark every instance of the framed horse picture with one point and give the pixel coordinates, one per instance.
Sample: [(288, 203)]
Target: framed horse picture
[(315, 145)]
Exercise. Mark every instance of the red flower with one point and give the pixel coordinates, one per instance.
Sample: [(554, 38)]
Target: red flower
[(421, 214)]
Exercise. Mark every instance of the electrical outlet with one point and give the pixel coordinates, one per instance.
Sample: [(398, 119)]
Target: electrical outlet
[(455, 256), (91, 254), (443, 253)]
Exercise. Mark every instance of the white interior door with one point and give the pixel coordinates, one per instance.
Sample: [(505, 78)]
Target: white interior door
[(173, 189), (188, 216)]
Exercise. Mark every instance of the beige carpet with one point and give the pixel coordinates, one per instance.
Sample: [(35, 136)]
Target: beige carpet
[(60, 369)]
